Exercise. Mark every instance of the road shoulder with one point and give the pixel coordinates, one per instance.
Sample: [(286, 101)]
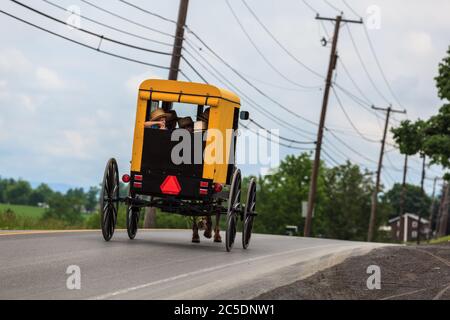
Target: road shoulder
[(407, 272)]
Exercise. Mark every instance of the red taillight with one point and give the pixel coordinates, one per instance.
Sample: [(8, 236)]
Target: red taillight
[(138, 177), (137, 185), (126, 178), (170, 186), (203, 192), (204, 184), (217, 187)]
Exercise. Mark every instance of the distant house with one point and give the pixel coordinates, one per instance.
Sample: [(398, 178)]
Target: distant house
[(406, 227)]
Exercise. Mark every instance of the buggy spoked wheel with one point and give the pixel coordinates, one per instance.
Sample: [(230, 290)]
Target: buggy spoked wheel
[(249, 214), (109, 199), (133, 214), (234, 205)]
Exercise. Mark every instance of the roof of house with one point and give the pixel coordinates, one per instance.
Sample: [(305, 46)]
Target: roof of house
[(410, 215)]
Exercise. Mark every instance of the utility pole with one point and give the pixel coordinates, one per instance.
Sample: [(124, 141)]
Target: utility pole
[(178, 42), (433, 200), (328, 83), (403, 193), (443, 225), (150, 212), (373, 211), (423, 195)]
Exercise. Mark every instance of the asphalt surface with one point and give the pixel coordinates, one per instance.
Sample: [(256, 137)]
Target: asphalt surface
[(159, 264)]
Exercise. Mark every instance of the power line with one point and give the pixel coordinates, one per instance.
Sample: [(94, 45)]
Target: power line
[(248, 81), (278, 42), (109, 26), (357, 87), (257, 107), (269, 139), (332, 6), (126, 19), (350, 120), (278, 136), (351, 9), (310, 7), (261, 54), (349, 147), (85, 45), (148, 12), (377, 61), (366, 71), (380, 68), (101, 37)]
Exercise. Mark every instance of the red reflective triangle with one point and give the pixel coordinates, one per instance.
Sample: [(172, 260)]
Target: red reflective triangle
[(171, 186)]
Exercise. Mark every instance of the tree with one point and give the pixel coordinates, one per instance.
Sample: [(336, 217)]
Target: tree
[(416, 202), (346, 210), (280, 195), (18, 192), (41, 194), (91, 200), (443, 78)]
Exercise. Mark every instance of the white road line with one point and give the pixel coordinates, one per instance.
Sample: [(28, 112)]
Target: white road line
[(193, 273)]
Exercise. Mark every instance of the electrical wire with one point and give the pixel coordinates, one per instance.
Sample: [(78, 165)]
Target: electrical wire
[(109, 26), (126, 19), (101, 37), (234, 70), (366, 71), (350, 120), (261, 54), (85, 45), (257, 107), (278, 42)]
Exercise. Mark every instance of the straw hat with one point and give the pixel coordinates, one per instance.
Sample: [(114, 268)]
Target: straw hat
[(185, 122), (158, 114)]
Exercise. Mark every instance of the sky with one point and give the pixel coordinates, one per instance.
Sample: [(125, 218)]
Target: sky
[(65, 109)]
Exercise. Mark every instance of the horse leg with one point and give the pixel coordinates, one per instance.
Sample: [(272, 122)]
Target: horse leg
[(217, 237), (208, 227), (195, 236)]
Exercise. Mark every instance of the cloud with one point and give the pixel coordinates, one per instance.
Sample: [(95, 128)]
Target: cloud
[(13, 60), (48, 79)]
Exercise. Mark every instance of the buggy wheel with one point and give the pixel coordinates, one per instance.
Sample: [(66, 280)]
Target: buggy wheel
[(132, 221), (234, 205), (249, 212), (109, 199)]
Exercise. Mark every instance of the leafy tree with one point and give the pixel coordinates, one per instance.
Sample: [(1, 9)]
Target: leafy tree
[(65, 208), (18, 192), (409, 136), (91, 200), (346, 211), (443, 78), (280, 195), (41, 194), (416, 202)]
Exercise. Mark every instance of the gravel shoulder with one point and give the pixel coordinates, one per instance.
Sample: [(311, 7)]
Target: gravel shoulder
[(407, 272)]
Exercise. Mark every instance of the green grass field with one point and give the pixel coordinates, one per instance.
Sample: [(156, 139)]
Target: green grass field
[(23, 211)]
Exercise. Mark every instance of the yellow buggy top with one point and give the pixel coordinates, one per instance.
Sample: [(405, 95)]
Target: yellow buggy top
[(224, 114)]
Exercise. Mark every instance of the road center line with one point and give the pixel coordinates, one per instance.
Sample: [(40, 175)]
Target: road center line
[(193, 273)]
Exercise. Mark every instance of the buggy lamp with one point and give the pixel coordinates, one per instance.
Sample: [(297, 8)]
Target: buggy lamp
[(126, 178), (217, 187)]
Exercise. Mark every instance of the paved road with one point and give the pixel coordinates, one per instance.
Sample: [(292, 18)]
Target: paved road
[(159, 264)]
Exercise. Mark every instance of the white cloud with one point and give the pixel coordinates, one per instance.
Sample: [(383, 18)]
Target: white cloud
[(13, 60), (73, 145), (48, 79)]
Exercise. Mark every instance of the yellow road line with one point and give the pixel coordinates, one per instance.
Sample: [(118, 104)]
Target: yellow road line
[(14, 233)]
